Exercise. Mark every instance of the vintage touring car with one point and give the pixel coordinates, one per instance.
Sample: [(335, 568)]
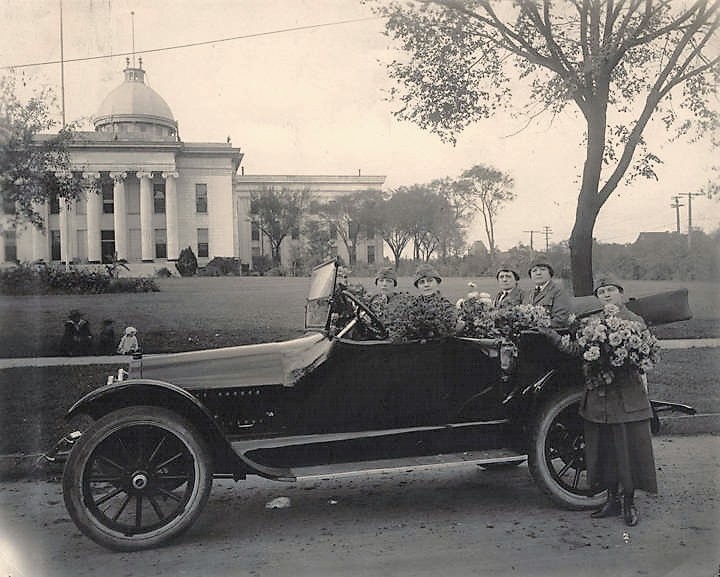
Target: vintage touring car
[(141, 473)]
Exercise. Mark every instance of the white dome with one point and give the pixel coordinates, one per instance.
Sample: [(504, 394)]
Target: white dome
[(134, 103)]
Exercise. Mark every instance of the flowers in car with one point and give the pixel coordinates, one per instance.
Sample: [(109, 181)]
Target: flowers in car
[(609, 344), (418, 318), (478, 317), (483, 321), (511, 321)]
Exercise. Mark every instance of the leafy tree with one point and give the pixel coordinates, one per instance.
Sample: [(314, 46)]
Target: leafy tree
[(277, 214), (398, 226), (34, 165), (619, 62), (352, 214), (453, 226), (487, 190)]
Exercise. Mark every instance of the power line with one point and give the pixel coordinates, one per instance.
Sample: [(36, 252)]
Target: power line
[(532, 249), (194, 44), (547, 231)]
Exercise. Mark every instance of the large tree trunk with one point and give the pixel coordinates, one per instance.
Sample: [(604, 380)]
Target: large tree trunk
[(589, 201), (581, 243)]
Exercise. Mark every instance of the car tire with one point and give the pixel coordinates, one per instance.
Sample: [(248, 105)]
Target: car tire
[(137, 478), (556, 456)]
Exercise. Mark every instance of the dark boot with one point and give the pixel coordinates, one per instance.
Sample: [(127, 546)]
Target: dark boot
[(630, 513), (611, 508)]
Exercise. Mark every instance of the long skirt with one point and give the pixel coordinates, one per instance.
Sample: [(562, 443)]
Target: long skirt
[(620, 453)]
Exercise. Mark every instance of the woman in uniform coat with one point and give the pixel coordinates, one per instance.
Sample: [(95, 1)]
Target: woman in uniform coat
[(549, 294), (618, 442)]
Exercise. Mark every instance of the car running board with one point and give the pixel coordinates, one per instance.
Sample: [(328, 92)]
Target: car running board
[(489, 457)]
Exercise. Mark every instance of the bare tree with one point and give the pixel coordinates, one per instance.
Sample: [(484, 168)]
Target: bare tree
[(620, 62)]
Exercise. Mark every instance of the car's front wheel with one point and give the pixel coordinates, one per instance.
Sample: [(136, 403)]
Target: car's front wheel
[(556, 456), (137, 478)]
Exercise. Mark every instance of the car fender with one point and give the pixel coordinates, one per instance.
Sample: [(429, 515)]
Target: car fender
[(147, 392)]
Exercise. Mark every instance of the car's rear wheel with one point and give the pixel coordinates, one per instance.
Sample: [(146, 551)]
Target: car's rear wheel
[(137, 478), (556, 456)]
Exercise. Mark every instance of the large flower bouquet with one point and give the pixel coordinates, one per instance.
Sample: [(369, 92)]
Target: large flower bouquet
[(418, 318), (511, 321), (478, 318), (610, 344)]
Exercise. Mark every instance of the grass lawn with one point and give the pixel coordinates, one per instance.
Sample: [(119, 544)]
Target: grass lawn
[(197, 313)]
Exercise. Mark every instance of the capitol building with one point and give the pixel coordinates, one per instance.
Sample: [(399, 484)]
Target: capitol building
[(148, 194)]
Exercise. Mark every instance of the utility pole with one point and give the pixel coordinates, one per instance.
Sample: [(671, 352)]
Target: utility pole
[(547, 231), (532, 249), (689, 205), (676, 205)]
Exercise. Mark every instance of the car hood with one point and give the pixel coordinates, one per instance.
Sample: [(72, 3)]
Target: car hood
[(262, 364)]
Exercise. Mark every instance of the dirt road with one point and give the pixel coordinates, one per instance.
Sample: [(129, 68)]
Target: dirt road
[(459, 521)]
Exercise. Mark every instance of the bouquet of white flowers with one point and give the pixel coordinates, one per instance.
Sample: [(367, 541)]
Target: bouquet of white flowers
[(610, 344)]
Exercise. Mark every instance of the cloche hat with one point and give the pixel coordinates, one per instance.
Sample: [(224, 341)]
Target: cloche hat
[(607, 280), (543, 264), (386, 272), (425, 270), (507, 269)]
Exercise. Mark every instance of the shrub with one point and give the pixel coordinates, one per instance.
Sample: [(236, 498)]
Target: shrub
[(133, 285), (163, 272), (223, 266), (186, 263), (33, 279)]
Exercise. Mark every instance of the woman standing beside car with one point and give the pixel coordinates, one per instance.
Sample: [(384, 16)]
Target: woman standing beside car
[(617, 414)]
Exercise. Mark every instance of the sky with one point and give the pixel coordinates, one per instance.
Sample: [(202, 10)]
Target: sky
[(315, 101)]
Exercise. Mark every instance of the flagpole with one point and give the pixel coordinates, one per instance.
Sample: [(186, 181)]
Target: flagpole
[(62, 67)]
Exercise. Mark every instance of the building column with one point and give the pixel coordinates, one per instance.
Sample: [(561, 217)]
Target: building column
[(94, 212), (40, 240), (64, 218), (146, 214), (171, 215), (120, 215)]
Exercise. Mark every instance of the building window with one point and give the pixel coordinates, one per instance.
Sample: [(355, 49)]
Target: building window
[(8, 205), (160, 243), (54, 204), (203, 248), (255, 231), (371, 254), (55, 253), (108, 198), (10, 246), (369, 231), (159, 197), (201, 198), (107, 246)]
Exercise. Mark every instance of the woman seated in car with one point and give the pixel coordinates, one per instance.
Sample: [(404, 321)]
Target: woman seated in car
[(386, 282)]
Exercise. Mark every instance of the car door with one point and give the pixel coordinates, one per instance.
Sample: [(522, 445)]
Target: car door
[(375, 385)]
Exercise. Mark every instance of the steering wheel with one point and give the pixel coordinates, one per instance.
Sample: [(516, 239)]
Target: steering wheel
[(365, 316)]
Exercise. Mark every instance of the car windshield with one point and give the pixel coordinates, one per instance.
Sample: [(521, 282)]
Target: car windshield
[(322, 284)]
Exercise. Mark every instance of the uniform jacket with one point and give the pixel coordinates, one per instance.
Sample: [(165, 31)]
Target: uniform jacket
[(556, 301), (514, 297), (623, 401)]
